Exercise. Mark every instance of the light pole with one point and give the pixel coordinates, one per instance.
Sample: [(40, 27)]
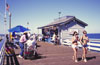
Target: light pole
[(9, 20), (10, 26), (5, 24)]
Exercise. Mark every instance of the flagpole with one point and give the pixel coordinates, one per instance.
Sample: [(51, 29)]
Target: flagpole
[(5, 8), (5, 19)]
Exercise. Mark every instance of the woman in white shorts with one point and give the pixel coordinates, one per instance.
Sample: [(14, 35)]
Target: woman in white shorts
[(75, 38)]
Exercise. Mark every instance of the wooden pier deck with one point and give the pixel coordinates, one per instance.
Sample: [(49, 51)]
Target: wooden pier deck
[(50, 54)]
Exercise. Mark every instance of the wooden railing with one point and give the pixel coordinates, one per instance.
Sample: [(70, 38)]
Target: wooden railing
[(2, 50)]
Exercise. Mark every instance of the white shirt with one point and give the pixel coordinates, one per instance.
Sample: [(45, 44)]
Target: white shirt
[(53, 38), (23, 38)]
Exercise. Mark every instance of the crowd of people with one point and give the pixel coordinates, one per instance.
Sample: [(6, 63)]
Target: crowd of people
[(15, 41), (50, 36), (29, 40), (83, 40), (75, 39)]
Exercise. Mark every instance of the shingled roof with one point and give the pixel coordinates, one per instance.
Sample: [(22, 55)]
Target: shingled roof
[(63, 20)]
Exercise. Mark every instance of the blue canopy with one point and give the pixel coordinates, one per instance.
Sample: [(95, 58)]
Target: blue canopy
[(18, 28)]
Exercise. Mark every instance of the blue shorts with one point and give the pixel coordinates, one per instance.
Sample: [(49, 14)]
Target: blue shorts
[(85, 45)]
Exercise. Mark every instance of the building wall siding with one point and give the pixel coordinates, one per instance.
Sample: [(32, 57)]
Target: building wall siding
[(66, 29)]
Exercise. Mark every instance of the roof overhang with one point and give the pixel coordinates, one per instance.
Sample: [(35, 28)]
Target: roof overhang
[(62, 22)]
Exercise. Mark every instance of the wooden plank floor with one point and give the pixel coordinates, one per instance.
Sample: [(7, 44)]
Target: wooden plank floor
[(50, 54)]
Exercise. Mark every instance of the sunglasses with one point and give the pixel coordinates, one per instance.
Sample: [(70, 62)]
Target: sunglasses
[(85, 33), (76, 33)]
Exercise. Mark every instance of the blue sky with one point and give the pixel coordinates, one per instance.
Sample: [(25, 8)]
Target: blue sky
[(41, 12)]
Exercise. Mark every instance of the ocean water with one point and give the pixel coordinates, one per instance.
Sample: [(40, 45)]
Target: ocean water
[(1, 34), (1, 37), (94, 35)]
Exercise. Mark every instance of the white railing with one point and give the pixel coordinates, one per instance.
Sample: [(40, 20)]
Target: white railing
[(2, 51), (94, 45)]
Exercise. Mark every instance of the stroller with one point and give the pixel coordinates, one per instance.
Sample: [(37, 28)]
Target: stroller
[(30, 50)]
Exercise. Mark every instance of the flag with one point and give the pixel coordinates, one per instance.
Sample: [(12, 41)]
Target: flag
[(7, 7)]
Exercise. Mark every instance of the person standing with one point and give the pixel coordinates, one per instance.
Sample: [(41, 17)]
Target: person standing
[(53, 37), (22, 40), (75, 40), (29, 34), (84, 39)]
